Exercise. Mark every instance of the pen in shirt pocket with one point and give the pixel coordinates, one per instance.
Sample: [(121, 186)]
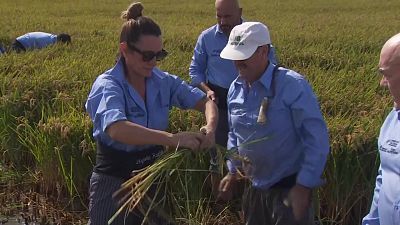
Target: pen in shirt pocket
[(262, 114)]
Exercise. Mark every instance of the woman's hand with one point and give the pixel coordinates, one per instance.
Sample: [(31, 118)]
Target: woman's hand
[(190, 140)]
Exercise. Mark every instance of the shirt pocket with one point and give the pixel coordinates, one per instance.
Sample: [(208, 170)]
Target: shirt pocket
[(136, 115), (214, 55), (240, 117), (278, 117), (214, 58)]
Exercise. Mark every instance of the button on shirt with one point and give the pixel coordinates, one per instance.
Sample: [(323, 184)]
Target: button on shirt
[(295, 137), (385, 208), (113, 99), (37, 40), (208, 66)]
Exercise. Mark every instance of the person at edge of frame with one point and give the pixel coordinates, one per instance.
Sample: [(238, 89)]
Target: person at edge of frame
[(385, 207)]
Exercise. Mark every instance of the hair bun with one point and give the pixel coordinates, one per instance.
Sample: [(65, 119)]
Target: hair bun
[(134, 11)]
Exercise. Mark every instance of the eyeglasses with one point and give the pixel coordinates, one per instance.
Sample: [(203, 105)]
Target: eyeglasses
[(149, 55), (384, 72)]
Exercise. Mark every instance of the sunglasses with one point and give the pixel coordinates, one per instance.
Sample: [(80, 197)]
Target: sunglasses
[(149, 55)]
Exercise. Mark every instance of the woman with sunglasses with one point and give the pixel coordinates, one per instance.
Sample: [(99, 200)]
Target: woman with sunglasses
[(129, 106)]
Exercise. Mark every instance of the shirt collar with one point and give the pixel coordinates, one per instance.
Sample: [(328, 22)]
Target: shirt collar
[(265, 79), (219, 31), (153, 84), (118, 70)]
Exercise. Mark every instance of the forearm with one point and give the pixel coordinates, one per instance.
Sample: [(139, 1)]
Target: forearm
[(211, 114), (133, 134), (210, 110)]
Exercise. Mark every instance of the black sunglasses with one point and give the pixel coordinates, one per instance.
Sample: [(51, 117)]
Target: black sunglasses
[(149, 55)]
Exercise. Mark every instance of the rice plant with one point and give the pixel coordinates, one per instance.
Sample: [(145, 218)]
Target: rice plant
[(335, 44)]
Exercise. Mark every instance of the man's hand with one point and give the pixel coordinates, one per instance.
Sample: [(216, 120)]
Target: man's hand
[(299, 198), (211, 95), (226, 187), (209, 139)]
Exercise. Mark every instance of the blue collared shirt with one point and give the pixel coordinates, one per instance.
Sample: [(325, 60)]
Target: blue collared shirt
[(113, 99), (208, 66), (37, 40), (385, 207), (295, 136)]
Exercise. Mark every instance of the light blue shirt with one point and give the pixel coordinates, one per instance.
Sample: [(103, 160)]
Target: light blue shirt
[(385, 207), (296, 135), (208, 66), (113, 99), (37, 40)]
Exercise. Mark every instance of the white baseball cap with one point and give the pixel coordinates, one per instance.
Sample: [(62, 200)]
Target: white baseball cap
[(244, 40)]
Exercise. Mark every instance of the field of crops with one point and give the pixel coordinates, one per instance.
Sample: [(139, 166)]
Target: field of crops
[(45, 134)]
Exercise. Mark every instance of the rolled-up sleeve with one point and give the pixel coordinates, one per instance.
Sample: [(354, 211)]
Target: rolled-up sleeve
[(183, 95), (105, 105), (312, 130), (198, 65)]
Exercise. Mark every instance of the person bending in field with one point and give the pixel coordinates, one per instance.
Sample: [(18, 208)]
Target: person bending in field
[(38, 40)]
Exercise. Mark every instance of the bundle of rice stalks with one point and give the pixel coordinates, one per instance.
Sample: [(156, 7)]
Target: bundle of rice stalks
[(179, 178)]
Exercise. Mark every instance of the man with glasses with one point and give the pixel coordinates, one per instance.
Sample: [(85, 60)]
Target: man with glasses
[(213, 75), (276, 125), (385, 207)]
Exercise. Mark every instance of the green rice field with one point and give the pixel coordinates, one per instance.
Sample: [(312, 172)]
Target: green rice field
[(45, 134)]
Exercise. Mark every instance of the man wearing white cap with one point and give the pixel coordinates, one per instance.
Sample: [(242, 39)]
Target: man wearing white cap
[(212, 74), (275, 110), (385, 208)]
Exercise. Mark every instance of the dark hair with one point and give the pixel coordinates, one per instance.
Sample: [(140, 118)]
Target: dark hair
[(133, 12), (64, 38), (136, 24)]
